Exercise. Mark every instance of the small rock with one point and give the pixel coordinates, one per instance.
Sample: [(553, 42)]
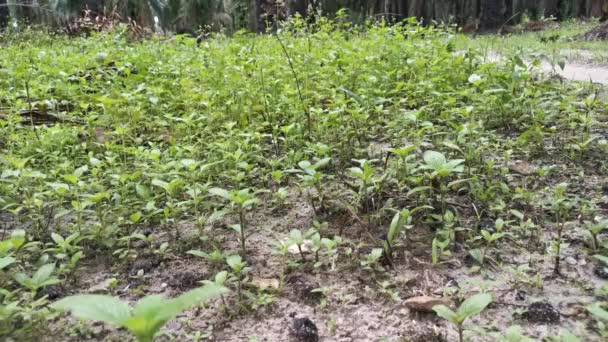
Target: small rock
[(145, 264), (571, 261), (304, 330), (51, 292), (521, 259), (306, 248), (573, 309), (184, 280), (426, 303), (542, 312), (304, 289)]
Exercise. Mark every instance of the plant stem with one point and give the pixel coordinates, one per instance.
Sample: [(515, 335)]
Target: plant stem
[(560, 228), (301, 253), (295, 76), (460, 333), (242, 221)]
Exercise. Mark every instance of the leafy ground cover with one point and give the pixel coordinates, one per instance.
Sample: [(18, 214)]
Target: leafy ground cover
[(343, 183)]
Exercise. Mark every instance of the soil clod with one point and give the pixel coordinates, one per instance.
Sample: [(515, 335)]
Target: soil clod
[(601, 271), (304, 289), (542, 312), (185, 280), (304, 330)]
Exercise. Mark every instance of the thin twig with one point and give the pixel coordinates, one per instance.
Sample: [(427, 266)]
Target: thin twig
[(29, 101), (295, 76)]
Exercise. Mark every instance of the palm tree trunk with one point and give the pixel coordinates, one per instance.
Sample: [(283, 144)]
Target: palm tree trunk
[(254, 16), (3, 14), (492, 16)]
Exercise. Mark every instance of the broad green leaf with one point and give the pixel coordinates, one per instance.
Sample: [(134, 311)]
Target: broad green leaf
[(197, 296), (567, 336), (135, 217), (70, 178), (250, 203), (601, 258), (321, 163), (234, 261), (221, 277), (598, 312), (452, 146), (43, 273), (397, 224), (434, 159), (418, 189), (152, 312), (6, 261), (58, 239), (148, 316), (304, 164), (189, 163), (17, 239), (160, 183), (295, 235), (6, 246), (355, 171), (143, 191), (515, 334), (445, 312), (221, 193), (473, 305), (198, 253), (23, 279), (96, 308)]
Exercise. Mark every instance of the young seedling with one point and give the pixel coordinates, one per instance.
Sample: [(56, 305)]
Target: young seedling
[(441, 169), (216, 257), (469, 308), (239, 269), (402, 220), (241, 201), (9, 246), (172, 190), (219, 280), (312, 177), (593, 230), (297, 238), (560, 205), (515, 334), (365, 175), (146, 318), (372, 259), (601, 316), (41, 278), (316, 244)]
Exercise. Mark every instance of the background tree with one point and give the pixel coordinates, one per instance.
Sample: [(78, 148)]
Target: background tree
[(190, 15)]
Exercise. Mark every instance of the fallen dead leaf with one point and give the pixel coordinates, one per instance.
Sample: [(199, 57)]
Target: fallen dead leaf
[(523, 168), (103, 287), (426, 303), (266, 283)]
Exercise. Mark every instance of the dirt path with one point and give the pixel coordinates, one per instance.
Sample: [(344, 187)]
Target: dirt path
[(581, 72), (573, 71)]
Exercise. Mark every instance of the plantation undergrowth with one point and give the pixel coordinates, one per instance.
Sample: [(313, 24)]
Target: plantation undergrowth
[(326, 176)]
